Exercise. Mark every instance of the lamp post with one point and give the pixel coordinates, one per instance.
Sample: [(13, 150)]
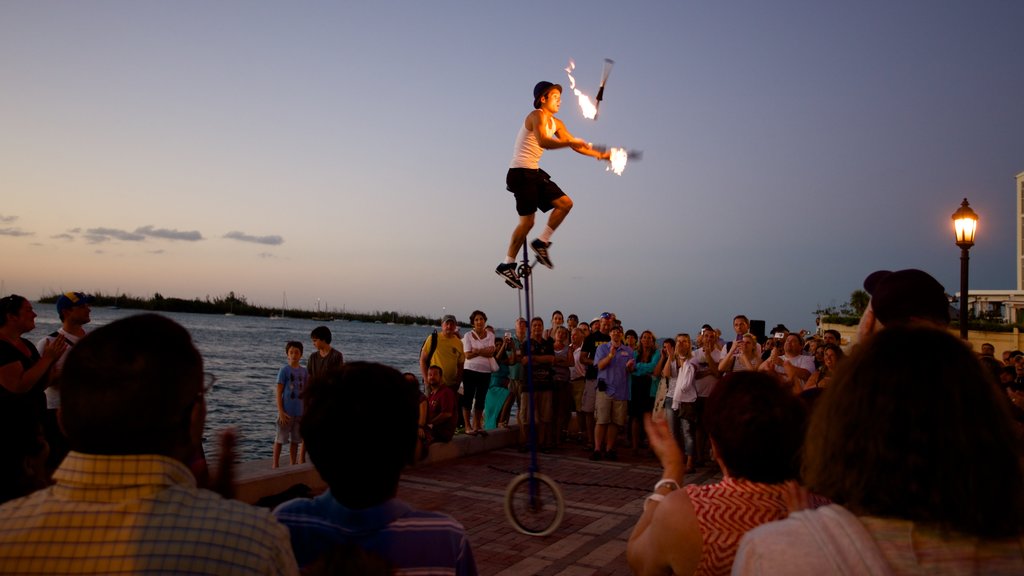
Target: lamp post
[(965, 224)]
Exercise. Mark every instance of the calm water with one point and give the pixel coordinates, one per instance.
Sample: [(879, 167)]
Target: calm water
[(245, 354)]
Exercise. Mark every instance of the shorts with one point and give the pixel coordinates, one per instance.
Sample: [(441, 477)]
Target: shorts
[(577, 393), (534, 190), (288, 433), (541, 401), (589, 396), (610, 411), (515, 386)]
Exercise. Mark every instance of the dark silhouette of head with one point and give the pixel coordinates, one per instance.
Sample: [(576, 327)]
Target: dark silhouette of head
[(360, 428), (321, 333), (134, 386), (10, 306), (914, 427), (757, 427)]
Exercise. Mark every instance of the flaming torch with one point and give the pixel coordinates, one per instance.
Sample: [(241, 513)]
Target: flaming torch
[(608, 63), (588, 108), (617, 163), (619, 157)]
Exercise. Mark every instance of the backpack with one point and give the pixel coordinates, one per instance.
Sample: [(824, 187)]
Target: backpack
[(433, 346)]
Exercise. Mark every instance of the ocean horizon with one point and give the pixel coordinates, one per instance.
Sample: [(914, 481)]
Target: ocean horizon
[(245, 354)]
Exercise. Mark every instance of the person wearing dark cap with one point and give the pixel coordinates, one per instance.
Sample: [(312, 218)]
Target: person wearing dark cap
[(74, 313), (533, 187), (446, 351), (902, 297)]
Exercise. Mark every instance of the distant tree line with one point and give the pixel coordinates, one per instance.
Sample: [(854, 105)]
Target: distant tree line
[(240, 306)]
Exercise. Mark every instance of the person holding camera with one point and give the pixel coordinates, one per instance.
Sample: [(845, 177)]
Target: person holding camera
[(615, 363), (742, 356), (788, 363), (706, 359)]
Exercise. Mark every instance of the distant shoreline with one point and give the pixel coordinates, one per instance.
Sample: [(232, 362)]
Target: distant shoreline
[(239, 306)]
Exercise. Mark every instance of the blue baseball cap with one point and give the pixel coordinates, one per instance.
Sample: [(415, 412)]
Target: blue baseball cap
[(72, 299)]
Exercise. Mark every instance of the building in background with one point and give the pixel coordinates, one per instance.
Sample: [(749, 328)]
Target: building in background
[(1003, 304)]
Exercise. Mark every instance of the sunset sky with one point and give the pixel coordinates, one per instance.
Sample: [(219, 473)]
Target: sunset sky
[(355, 152)]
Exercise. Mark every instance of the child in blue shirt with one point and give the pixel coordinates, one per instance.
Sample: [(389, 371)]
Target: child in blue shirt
[(291, 381)]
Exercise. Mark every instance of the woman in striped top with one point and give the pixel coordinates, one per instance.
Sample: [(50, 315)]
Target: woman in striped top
[(756, 429)]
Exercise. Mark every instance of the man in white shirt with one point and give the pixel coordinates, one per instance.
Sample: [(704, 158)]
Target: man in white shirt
[(74, 313), (789, 362), (706, 360)]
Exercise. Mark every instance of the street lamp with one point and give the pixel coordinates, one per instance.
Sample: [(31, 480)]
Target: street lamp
[(965, 223)]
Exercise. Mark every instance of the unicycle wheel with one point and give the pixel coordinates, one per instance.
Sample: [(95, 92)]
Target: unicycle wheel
[(534, 504)]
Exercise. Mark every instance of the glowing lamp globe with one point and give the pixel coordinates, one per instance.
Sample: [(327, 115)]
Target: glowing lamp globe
[(965, 223)]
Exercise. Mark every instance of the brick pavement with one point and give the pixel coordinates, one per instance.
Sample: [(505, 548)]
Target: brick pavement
[(603, 501)]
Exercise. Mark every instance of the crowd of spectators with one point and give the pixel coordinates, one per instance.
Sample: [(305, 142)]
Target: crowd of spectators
[(901, 454)]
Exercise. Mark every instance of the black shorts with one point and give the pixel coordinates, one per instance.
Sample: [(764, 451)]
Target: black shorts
[(534, 190)]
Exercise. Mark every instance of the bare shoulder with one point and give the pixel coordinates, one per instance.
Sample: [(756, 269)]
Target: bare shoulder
[(678, 532), (533, 119)]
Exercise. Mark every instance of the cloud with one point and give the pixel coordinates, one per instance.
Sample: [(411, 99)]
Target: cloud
[(266, 255), (189, 235), (160, 251), (97, 235), (64, 236), (7, 219), (243, 237), (14, 232)]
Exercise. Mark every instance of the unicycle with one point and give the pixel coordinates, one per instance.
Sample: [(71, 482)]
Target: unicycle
[(533, 502)]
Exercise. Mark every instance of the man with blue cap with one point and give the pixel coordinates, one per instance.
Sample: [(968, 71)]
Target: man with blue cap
[(532, 186), (74, 313)]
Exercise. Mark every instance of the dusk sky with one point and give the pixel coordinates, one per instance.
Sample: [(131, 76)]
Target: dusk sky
[(355, 152)]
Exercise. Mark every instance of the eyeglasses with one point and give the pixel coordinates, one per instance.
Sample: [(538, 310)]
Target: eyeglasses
[(208, 381)]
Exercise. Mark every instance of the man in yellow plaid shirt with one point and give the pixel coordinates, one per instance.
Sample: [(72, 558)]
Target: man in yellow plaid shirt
[(124, 500)]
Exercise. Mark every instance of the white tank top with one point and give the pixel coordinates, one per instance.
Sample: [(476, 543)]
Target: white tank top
[(527, 151)]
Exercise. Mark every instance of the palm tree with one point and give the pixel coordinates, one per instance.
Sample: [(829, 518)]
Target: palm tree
[(859, 301)]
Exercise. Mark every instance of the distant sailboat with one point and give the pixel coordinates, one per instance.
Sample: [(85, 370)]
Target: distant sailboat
[(284, 305)]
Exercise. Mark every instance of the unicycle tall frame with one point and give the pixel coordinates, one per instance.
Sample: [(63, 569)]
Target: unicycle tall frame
[(528, 296), (540, 510)]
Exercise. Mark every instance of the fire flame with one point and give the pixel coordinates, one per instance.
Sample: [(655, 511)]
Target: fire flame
[(617, 163), (587, 105)]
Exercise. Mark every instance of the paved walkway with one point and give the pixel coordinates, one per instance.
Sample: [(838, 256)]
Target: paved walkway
[(603, 502)]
